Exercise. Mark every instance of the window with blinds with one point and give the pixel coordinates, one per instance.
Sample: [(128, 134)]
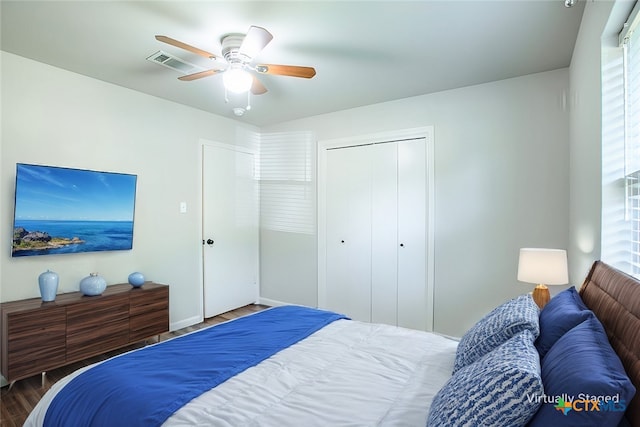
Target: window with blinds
[(615, 233), (287, 189), (630, 43)]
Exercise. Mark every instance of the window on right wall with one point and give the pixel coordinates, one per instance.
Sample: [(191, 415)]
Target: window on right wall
[(621, 149), (630, 43)]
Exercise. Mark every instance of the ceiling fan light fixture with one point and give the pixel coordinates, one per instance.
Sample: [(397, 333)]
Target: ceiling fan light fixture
[(237, 80), (238, 52)]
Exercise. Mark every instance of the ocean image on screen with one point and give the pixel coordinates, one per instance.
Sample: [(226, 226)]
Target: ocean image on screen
[(62, 210)]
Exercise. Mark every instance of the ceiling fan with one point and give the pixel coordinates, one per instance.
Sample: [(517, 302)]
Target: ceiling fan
[(238, 51)]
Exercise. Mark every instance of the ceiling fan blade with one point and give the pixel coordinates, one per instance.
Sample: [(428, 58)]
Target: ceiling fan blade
[(286, 70), (257, 88), (198, 75), (255, 40), (185, 46)]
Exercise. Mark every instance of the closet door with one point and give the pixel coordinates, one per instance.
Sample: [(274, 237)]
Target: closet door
[(384, 232), (375, 254), (348, 235), (412, 237)]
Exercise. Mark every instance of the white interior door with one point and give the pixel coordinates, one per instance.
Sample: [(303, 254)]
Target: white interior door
[(348, 238), (230, 229)]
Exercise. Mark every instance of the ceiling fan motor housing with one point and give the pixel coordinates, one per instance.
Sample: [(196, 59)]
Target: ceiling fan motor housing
[(231, 49)]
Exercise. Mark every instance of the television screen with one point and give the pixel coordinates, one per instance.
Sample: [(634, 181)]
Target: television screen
[(62, 210)]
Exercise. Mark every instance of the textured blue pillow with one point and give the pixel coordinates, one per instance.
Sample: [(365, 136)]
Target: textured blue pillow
[(503, 388), (580, 365), (560, 315), (503, 322)]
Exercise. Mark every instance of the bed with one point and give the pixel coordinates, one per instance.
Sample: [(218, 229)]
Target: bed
[(301, 366), (614, 297)]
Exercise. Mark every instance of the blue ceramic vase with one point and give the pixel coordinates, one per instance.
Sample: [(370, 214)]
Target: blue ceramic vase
[(48, 282), (93, 285), (136, 279)]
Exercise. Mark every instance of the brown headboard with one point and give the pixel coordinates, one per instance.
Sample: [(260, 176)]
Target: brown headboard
[(614, 297)]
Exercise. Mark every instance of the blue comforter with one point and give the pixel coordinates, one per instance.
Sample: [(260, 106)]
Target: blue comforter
[(145, 387)]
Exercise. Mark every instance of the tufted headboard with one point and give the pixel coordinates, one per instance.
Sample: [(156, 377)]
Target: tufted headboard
[(614, 297)]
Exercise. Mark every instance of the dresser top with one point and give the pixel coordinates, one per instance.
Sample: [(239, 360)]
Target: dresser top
[(74, 297)]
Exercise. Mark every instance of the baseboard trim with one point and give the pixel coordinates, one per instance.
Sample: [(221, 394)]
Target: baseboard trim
[(271, 302), (186, 323)]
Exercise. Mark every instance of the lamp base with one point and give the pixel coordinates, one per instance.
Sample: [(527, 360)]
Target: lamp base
[(541, 295)]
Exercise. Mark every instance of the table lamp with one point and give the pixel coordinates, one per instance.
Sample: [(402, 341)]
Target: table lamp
[(543, 267)]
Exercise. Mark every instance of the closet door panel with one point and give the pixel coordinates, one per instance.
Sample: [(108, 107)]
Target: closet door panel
[(412, 228), (348, 246), (384, 233)]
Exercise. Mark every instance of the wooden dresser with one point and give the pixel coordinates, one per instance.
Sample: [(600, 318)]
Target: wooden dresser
[(39, 336)]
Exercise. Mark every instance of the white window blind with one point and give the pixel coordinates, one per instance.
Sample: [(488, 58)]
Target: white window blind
[(615, 233), (287, 188), (630, 41)]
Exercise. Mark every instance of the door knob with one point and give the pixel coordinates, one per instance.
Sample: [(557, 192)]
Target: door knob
[(209, 241)]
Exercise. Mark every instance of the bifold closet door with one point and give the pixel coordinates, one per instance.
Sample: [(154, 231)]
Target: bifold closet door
[(348, 235), (376, 222), (398, 233), (384, 232), (412, 234)]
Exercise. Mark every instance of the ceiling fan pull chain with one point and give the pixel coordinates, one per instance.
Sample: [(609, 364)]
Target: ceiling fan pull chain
[(248, 100)]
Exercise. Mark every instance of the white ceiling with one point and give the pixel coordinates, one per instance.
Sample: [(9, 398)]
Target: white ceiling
[(364, 52)]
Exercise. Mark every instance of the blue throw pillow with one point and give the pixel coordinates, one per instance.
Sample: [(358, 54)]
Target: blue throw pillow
[(503, 388), (560, 315), (584, 381), (503, 322)]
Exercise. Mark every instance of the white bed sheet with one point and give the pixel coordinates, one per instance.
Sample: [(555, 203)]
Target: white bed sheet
[(347, 374)]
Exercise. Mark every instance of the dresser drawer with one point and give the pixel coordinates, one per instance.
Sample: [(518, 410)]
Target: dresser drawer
[(97, 327), (35, 343), (149, 313)]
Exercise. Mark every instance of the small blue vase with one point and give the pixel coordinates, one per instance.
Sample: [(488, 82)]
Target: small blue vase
[(136, 279), (93, 285), (48, 282)]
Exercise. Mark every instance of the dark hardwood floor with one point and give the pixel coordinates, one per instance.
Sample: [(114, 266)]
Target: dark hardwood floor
[(17, 403)]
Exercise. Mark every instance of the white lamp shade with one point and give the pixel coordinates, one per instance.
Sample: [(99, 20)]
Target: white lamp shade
[(543, 266)]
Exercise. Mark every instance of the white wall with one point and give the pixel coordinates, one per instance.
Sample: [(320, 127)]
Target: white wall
[(595, 231), (585, 147), (501, 183), (54, 117)]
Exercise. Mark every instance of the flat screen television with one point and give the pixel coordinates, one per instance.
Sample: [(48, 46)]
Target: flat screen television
[(62, 210)]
